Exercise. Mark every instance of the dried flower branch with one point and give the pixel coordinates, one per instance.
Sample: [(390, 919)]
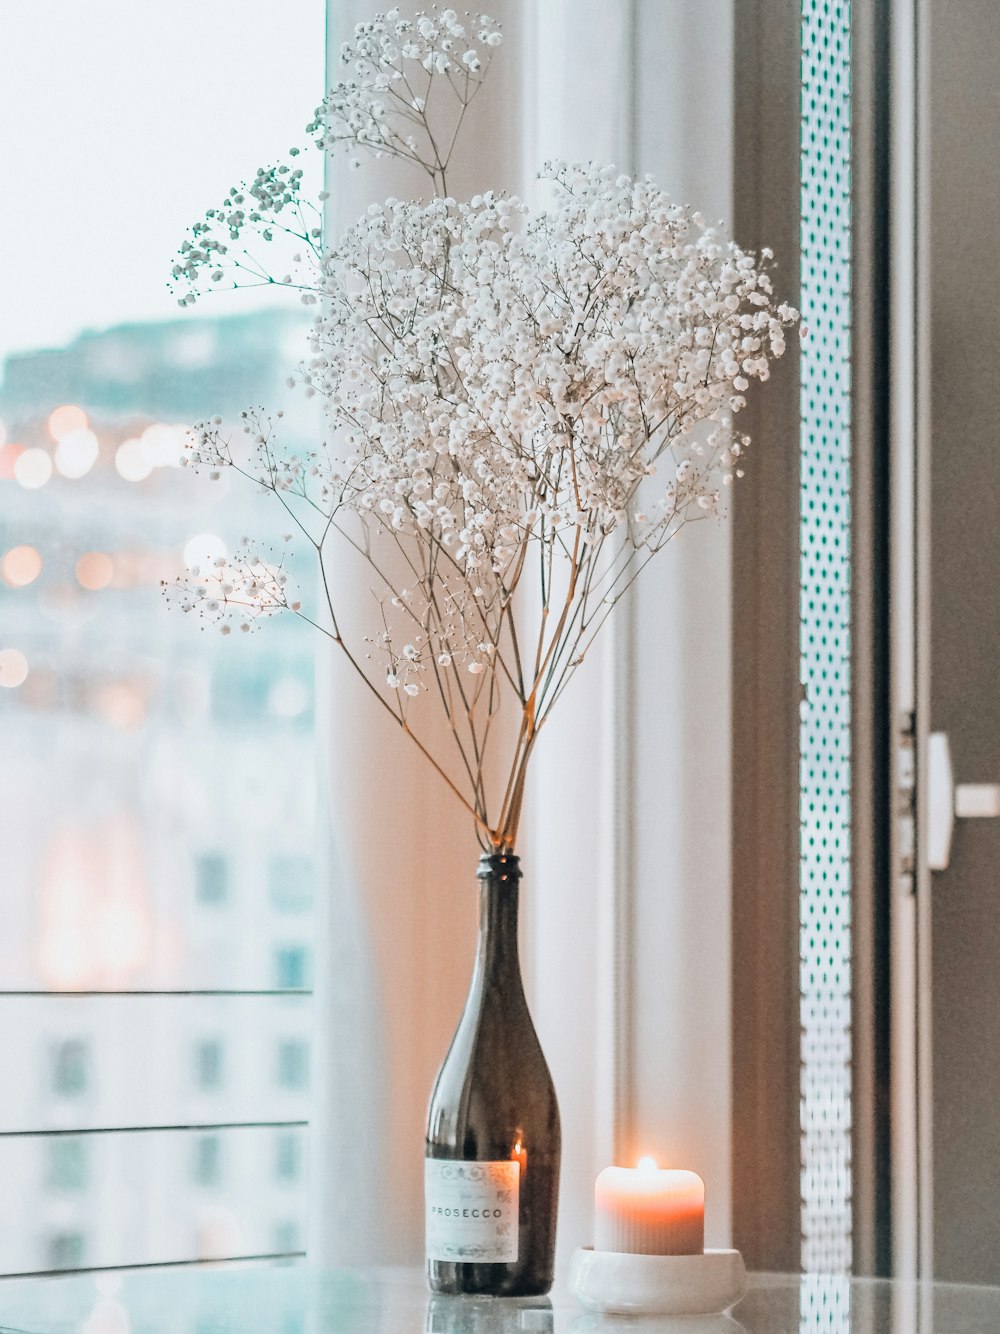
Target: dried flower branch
[(509, 395)]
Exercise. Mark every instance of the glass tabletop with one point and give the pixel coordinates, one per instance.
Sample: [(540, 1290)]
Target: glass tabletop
[(305, 1300)]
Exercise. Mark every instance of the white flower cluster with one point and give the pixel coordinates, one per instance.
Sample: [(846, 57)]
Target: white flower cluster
[(510, 394), (382, 109), (416, 640), (238, 590), (496, 376), (392, 61), (256, 207)]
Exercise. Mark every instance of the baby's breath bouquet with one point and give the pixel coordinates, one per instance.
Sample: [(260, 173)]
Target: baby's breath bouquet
[(523, 407)]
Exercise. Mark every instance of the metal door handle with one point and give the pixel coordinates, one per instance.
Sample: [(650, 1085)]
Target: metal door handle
[(947, 802)]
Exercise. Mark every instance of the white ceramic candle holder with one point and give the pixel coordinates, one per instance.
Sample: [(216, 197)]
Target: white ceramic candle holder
[(621, 1284)]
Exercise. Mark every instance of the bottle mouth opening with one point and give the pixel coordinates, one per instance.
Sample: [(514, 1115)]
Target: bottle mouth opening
[(499, 864)]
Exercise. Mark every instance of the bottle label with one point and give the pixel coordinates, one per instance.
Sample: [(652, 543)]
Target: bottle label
[(471, 1210)]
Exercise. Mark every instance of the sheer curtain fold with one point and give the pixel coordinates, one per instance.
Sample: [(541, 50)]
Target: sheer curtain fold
[(399, 935)]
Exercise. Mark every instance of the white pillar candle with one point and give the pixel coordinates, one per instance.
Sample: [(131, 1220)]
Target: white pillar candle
[(649, 1211)]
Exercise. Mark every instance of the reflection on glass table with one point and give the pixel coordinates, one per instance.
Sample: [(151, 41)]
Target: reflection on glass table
[(299, 1299)]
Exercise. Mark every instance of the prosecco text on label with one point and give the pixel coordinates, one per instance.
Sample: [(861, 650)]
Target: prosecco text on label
[(466, 1213)]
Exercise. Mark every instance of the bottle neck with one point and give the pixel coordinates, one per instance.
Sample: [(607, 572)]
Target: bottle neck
[(498, 961)]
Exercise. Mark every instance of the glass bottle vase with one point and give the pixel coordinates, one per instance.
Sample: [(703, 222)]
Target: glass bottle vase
[(493, 1134)]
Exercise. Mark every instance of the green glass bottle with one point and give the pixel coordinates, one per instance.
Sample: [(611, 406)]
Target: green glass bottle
[(493, 1134)]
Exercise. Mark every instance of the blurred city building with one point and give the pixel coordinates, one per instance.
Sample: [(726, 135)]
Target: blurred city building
[(157, 826)]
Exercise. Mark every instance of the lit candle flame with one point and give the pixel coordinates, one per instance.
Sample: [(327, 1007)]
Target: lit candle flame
[(647, 1164)]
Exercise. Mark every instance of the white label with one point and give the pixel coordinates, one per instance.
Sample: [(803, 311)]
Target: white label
[(471, 1210)]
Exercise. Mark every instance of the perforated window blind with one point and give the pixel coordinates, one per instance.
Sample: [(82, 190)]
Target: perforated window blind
[(825, 754)]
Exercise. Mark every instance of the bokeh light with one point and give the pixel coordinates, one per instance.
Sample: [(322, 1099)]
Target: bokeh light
[(13, 667), (69, 886), (203, 549), (65, 420), (21, 566), (33, 468), (164, 444), (9, 454), (121, 705), (95, 570), (288, 697), (132, 459), (76, 453)]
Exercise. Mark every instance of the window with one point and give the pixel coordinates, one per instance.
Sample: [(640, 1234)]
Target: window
[(287, 1157), (69, 1073), (209, 1065), (138, 860), (66, 1250), (211, 878), (290, 882), (208, 1160), (293, 1065), (291, 966), (286, 1237), (67, 1164)]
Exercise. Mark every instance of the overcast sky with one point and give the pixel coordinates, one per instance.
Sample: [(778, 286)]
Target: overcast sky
[(121, 121)]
